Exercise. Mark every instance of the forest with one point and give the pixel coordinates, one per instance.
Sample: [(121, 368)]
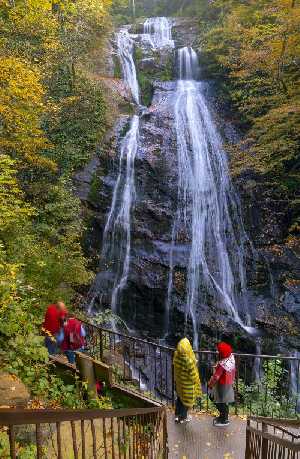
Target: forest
[(55, 111)]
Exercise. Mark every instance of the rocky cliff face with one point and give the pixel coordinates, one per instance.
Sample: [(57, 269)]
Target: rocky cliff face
[(272, 276)]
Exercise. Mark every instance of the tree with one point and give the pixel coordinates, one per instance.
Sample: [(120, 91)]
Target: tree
[(21, 109)]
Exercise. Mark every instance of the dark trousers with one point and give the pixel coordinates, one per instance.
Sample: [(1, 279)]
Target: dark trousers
[(181, 411), (51, 345), (223, 408)]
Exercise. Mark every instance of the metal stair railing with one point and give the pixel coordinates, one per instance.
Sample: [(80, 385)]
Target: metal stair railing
[(267, 438), (108, 434)]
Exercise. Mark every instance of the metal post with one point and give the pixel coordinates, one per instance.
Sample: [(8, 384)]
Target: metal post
[(265, 441), (248, 438), (101, 344)]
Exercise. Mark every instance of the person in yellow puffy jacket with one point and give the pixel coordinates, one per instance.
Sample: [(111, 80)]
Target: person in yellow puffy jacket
[(187, 380)]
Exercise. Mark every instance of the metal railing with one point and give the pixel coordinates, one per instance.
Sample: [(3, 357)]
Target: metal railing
[(108, 434), (270, 439), (265, 385)]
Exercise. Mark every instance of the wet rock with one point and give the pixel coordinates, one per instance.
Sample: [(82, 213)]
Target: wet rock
[(291, 300), (270, 271), (83, 179)]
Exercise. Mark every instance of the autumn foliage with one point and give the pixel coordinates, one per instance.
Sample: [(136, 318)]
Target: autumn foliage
[(45, 102)]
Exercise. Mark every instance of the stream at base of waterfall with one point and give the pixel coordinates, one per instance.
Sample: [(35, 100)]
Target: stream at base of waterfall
[(208, 211)]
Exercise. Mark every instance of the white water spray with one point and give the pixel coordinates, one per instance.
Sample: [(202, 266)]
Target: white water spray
[(159, 31)]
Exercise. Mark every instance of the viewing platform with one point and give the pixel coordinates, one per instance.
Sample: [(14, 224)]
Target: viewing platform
[(199, 439)]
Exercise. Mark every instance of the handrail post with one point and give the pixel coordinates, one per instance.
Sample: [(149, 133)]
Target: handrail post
[(173, 384), (248, 437), (165, 435), (265, 441), (12, 444), (101, 344)]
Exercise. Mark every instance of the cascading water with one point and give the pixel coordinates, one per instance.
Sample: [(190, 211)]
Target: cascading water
[(117, 232), (208, 210), (125, 51), (159, 31)]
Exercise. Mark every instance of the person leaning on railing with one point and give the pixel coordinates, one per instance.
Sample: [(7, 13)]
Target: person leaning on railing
[(73, 338), (187, 380)]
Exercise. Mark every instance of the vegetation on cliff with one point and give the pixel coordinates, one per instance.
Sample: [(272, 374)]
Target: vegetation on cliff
[(52, 115), (252, 50)]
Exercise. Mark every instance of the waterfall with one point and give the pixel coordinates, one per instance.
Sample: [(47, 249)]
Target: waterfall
[(125, 51), (116, 245), (159, 31), (117, 232), (208, 210), (133, 8)]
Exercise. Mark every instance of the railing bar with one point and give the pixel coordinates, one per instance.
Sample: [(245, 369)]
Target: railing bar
[(12, 441), (73, 428), (38, 441), (142, 437), (20, 416), (119, 437), (104, 438), (58, 439), (136, 437), (173, 381), (129, 437), (133, 438), (160, 372), (151, 436), (112, 438), (82, 439), (166, 374), (201, 351), (147, 434), (245, 379), (124, 438), (237, 384), (94, 439)]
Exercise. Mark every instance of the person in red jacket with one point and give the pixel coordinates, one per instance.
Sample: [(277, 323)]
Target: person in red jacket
[(53, 324), (74, 338), (221, 383)]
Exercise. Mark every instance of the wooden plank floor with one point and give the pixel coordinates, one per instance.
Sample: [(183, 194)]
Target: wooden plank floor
[(199, 439)]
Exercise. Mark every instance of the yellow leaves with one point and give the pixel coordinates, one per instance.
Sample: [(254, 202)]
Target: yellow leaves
[(21, 109), (12, 206)]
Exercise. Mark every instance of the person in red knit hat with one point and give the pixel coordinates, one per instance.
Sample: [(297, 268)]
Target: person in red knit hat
[(221, 383)]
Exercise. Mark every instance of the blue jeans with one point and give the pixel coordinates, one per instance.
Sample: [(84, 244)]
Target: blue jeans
[(71, 355), (51, 345)]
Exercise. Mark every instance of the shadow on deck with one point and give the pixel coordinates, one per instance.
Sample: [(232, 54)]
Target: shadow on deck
[(199, 439)]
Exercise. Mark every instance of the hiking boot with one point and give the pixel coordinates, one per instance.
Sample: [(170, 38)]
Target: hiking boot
[(184, 421), (220, 423), (217, 419)]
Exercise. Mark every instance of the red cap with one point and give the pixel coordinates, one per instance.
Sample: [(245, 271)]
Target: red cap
[(225, 350)]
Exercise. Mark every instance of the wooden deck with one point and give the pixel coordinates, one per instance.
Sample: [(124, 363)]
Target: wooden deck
[(199, 439)]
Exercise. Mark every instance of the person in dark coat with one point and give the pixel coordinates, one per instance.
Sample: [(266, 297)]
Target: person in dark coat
[(221, 383)]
